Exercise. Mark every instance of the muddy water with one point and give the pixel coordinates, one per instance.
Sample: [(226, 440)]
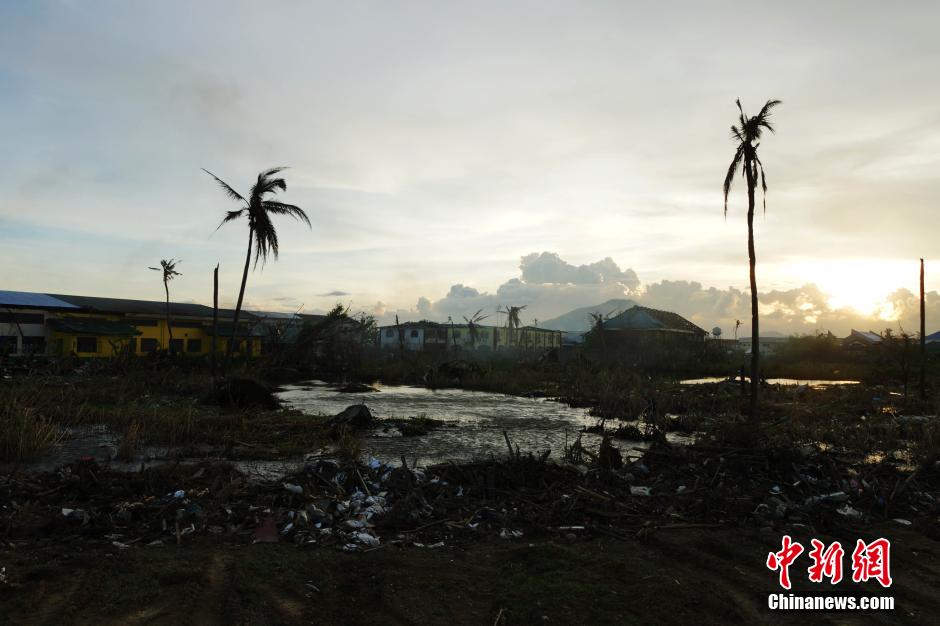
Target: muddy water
[(473, 427)]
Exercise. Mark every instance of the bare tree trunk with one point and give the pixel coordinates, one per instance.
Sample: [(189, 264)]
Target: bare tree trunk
[(169, 321), (238, 305), (215, 318), (923, 337), (752, 260)]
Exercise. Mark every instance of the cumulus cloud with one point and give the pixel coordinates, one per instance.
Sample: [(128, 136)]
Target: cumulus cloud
[(548, 267), (549, 286)]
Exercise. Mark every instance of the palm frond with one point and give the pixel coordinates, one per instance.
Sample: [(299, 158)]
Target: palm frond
[(265, 239), (229, 216), (231, 193), (729, 177), (763, 181), (271, 185), (281, 208)]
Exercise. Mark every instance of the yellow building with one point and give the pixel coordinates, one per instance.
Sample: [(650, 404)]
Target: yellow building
[(87, 326)]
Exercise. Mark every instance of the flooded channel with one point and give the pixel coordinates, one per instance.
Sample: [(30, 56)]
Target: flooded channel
[(472, 427), (786, 382), (473, 422)]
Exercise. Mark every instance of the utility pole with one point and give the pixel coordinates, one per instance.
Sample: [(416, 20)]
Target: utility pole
[(923, 337), (215, 316)]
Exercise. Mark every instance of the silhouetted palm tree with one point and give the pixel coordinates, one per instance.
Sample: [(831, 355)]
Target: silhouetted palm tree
[(169, 273), (261, 232), (473, 323), (512, 319), (747, 134)]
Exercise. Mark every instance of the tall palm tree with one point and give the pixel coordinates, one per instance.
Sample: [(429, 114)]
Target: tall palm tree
[(473, 326), (747, 134), (261, 232), (169, 273)]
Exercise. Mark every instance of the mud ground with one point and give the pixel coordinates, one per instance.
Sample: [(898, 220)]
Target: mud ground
[(678, 575)]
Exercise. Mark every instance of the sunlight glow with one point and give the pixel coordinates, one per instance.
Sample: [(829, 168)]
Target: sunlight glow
[(863, 285)]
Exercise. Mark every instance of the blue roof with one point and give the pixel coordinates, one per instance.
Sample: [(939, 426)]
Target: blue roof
[(30, 299), (933, 337)]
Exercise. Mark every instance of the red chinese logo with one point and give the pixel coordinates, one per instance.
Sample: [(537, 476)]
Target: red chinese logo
[(872, 560), (782, 560), (826, 563), (869, 561)]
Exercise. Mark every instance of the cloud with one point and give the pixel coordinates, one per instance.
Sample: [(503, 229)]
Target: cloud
[(336, 293), (549, 286), (548, 267)]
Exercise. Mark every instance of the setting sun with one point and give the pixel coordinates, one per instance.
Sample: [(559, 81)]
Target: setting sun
[(862, 285)]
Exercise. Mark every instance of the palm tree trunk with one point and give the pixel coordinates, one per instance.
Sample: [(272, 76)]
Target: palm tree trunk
[(169, 322), (238, 305), (752, 260)]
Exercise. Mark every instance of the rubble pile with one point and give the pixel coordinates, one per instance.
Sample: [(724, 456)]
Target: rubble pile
[(366, 506)]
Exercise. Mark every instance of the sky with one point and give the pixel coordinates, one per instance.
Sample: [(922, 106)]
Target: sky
[(453, 156)]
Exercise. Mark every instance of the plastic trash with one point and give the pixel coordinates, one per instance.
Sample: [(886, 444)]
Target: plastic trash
[(367, 539), (836, 496), (295, 489), (848, 511), (179, 495), (902, 522), (636, 490)]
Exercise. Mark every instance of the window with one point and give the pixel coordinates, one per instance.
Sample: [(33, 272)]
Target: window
[(389, 332), (194, 345), (176, 345), (86, 345), (414, 334), (8, 344), (148, 345), (34, 345)]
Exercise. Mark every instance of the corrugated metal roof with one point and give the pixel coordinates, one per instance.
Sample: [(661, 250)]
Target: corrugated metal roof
[(643, 318), (139, 307), (868, 336), (30, 299)]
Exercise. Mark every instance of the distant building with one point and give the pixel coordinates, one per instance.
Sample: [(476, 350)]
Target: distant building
[(641, 321), (768, 345), (87, 326), (648, 337), (860, 341), (437, 336), (933, 341)]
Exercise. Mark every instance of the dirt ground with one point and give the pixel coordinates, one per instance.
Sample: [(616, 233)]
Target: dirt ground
[(677, 575)]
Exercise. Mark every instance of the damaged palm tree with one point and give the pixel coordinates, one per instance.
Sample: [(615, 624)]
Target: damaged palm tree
[(261, 232), (473, 326), (169, 273), (747, 134), (512, 319)]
